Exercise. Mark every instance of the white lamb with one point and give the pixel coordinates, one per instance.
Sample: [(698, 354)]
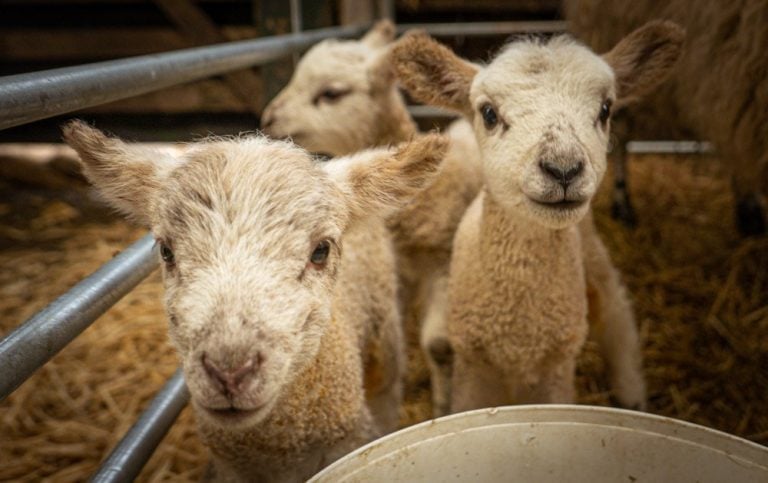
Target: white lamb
[(268, 257), (526, 251), (343, 98)]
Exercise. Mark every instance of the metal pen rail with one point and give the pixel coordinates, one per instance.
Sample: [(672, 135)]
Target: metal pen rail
[(134, 450), (476, 29), (30, 97), (41, 337)]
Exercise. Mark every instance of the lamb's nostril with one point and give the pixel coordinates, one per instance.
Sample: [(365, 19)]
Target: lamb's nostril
[(215, 374), (232, 380), (237, 376), (573, 171), (563, 174)]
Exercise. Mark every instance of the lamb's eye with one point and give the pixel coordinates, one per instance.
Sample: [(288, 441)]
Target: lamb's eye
[(489, 116), (605, 111), (330, 95), (320, 254), (167, 254)]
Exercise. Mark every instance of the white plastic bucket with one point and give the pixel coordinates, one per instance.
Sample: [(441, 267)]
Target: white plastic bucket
[(553, 443)]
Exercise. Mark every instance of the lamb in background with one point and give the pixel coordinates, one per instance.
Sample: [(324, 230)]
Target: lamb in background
[(718, 91), (261, 257), (526, 253), (343, 98)]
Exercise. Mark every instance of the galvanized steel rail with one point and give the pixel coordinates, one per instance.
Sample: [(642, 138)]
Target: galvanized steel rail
[(670, 147), (134, 450), (38, 95), (41, 337), (477, 29)]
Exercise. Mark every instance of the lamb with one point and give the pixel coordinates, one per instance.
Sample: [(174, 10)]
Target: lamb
[(343, 98), (527, 261), (266, 255), (718, 92)]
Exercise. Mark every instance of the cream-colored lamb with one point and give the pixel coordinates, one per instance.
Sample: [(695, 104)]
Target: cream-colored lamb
[(268, 256), (526, 251), (343, 98)]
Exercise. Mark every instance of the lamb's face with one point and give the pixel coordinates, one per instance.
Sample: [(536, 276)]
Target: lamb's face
[(251, 240), (336, 97), (250, 232), (541, 111), (541, 117)]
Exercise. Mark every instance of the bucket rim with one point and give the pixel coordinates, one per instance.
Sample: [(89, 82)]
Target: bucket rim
[(734, 447)]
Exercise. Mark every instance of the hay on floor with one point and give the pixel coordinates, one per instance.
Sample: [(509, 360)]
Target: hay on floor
[(700, 292)]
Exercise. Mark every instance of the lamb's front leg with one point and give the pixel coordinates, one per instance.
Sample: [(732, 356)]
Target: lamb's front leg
[(383, 371), (435, 343), (613, 321)]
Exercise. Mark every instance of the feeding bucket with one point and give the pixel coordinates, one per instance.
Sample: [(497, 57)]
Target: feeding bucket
[(553, 443)]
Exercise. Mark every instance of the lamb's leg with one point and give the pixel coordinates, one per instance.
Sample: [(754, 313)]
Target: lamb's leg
[(384, 368), (434, 342), (475, 385), (621, 207), (613, 322), (750, 205), (385, 405)]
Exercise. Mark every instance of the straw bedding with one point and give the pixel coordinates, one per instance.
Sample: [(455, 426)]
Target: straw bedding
[(701, 296)]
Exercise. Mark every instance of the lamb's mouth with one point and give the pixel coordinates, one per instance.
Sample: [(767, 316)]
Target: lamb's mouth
[(232, 413), (293, 136), (560, 205)]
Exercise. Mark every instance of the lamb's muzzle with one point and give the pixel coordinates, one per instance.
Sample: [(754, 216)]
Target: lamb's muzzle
[(232, 380), (562, 174)]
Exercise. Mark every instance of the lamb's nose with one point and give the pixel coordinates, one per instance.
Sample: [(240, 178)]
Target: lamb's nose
[(563, 174), (267, 119), (269, 115), (234, 379)]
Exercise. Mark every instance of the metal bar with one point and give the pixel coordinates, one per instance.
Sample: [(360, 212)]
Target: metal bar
[(669, 147), (41, 337), (38, 95), (134, 450), (296, 16), (485, 28), (387, 9)]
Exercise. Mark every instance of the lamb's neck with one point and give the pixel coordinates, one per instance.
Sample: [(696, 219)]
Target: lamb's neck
[(509, 237), (321, 409), (396, 124), (501, 223)]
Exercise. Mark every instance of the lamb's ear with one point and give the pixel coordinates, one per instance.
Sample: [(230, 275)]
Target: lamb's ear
[(644, 59), (127, 176), (432, 73), (379, 182), (382, 33), (379, 70)]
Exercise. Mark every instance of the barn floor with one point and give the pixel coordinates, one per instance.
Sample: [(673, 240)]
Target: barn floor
[(701, 295)]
